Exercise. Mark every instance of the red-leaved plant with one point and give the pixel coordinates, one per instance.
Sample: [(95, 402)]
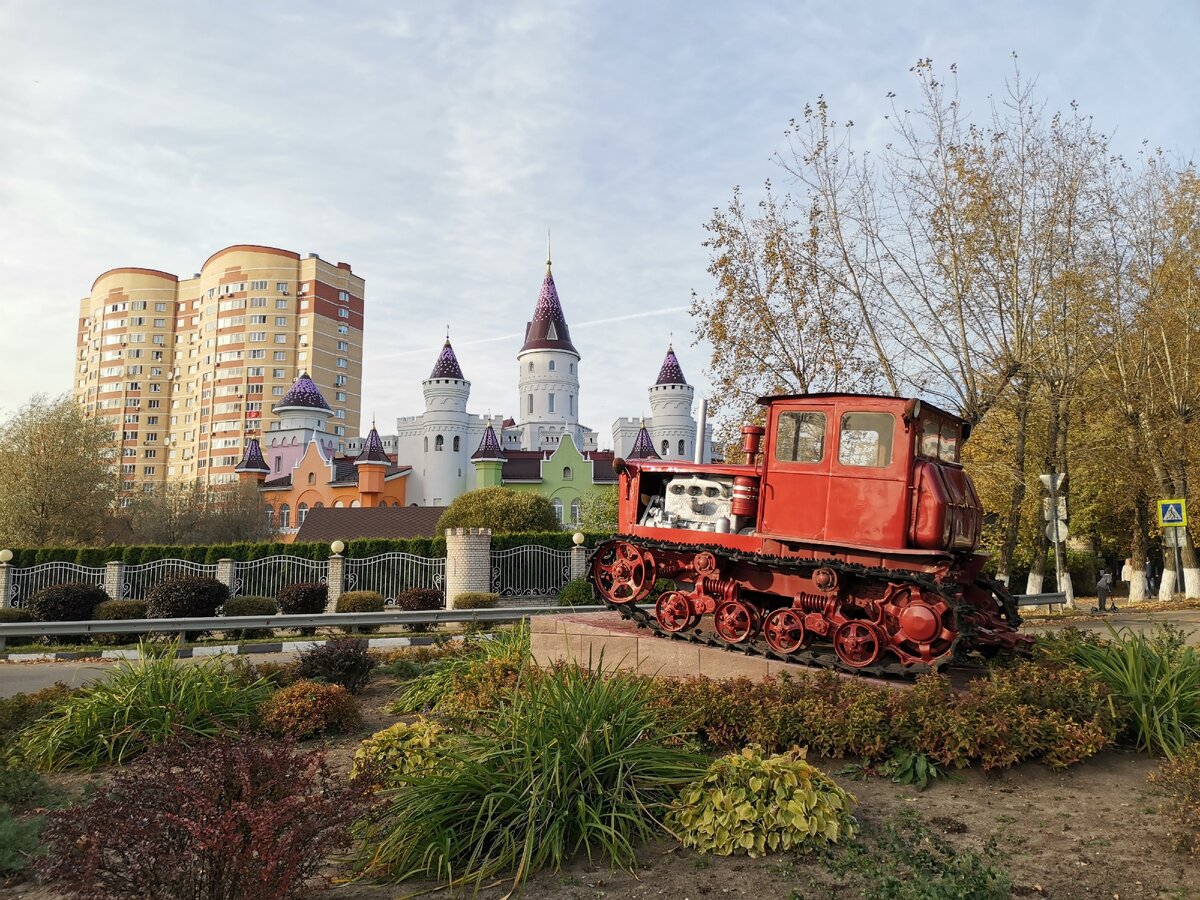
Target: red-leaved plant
[(226, 819)]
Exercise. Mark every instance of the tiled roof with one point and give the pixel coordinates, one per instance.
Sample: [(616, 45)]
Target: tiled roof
[(489, 447), (372, 451), (345, 470), (447, 364), (304, 395), (523, 465), (283, 481), (252, 459), (670, 373), (602, 467), (643, 447), (548, 330), (339, 524)]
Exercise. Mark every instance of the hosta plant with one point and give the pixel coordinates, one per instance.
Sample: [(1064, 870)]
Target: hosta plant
[(754, 804), (398, 751)]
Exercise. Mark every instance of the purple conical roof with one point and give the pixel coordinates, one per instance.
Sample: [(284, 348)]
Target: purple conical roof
[(670, 373), (305, 395), (548, 329), (447, 364), (372, 451), (489, 447), (252, 459), (643, 447)]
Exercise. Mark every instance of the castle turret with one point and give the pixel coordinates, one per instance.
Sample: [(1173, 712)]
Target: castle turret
[(643, 447), (672, 427), (300, 419), (548, 378), (445, 423), (488, 460), (252, 468), (372, 465)]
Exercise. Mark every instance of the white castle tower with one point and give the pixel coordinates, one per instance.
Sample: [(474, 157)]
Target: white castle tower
[(446, 449), (672, 427)]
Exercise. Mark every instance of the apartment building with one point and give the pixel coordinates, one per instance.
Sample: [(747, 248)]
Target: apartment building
[(186, 370)]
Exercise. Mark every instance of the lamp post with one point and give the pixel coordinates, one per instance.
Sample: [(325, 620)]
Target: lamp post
[(337, 547)]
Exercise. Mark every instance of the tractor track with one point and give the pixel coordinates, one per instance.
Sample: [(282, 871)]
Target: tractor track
[(825, 659)]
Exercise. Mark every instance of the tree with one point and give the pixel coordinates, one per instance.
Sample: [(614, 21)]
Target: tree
[(58, 478), (502, 510), (187, 512), (600, 510)]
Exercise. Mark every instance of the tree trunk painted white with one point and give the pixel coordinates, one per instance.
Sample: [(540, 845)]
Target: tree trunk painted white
[(1034, 584), (1166, 589), (1191, 582), (1066, 587), (1137, 586)]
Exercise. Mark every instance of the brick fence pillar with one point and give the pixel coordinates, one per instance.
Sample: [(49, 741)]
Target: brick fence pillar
[(114, 579), (227, 574), (336, 580), (578, 562), (6, 583), (468, 562)]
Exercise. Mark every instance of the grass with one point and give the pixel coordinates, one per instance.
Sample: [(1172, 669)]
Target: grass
[(575, 763), (138, 704), (508, 647)]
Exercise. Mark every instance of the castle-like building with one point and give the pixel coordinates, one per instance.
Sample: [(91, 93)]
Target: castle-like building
[(446, 450)]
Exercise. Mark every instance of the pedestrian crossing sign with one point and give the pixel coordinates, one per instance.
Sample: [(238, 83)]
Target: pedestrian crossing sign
[(1172, 512)]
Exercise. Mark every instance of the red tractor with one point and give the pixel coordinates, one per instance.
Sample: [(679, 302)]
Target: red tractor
[(848, 540)]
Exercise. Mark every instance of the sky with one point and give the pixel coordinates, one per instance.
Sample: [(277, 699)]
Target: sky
[(434, 145)]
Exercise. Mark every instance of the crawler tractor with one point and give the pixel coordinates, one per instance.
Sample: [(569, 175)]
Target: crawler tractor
[(847, 539)]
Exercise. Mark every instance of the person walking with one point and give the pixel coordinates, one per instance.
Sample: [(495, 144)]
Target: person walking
[(1103, 589)]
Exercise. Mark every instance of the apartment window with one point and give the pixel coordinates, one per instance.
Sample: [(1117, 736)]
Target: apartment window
[(160, 323), (157, 355), (339, 380), (258, 285), (153, 404), (341, 414), (131, 420), (256, 354), (155, 371), (281, 321), (147, 470), (303, 321), (160, 307), (258, 320), (279, 355), (129, 469), (340, 396), (137, 320), (135, 385), (151, 420), (277, 391), (126, 486), (159, 339), (343, 329), (343, 346), (341, 363), (281, 304), (277, 373), (281, 338), (343, 313), (344, 296), (151, 454), (151, 437), (281, 287), (302, 356), (258, 336), (129, 451), (258, 303), (255, 372)]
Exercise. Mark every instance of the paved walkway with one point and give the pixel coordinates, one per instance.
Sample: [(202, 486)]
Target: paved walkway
[(1125, 617)]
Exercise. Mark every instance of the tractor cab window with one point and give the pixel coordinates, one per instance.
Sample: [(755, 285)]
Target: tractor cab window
[(930, 435), (948, 450), (866, 440), (800, 437)]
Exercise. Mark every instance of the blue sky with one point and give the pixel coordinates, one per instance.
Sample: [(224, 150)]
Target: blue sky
[(433, 145)]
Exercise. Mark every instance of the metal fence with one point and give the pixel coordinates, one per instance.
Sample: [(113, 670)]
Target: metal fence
[(27, 582), (264, 577), (140, 578), (530, 571), (391, 574)]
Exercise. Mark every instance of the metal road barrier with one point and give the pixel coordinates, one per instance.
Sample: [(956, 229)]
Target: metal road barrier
[(1039, 599), (314, 620)]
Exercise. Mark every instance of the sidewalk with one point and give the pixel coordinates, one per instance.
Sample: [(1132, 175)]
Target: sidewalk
[(1126, 617)]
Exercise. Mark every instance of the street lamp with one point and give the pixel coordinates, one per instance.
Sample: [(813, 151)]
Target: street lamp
[(337, 547), (5, 556), (577, 538)]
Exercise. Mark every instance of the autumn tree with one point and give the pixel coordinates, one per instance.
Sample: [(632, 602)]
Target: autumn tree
[(189, 512), (57, 475)]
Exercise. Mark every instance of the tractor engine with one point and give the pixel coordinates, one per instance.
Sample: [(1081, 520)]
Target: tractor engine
[(694, 502)]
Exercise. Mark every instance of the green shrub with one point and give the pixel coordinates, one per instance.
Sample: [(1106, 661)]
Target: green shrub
[(1179, 781), (21, 710), (748, 803), (361, 601), (72, 602), (306, 709), (478, 677), (11, 614), (473, 600), (502, 509), (140, 703), (419, 600), (345, 662), (185, 597), (398, 751), (118, 611), (19, 843), (577, 762), (576, 593), (1157, 679), (22, 789), (304, 598), (250, 606)]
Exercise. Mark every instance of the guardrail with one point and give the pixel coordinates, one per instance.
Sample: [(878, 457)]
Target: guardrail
[(1039, 599), (315, 620)]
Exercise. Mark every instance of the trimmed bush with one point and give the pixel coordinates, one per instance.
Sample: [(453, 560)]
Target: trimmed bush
[(502, 509), (306, 709), (250, 606), (185, 598), (280, 674), (223, 819), (142, 702), (71, 602), (1179, 781), (419, 600), (345, 662), (302, 599), (757, 805), (576, 593), (118, 611), (473, 600), (396, 752), (11, 614), (361, 601)]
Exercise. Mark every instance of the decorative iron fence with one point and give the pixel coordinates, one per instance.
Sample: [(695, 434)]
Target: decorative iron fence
[(27, 582), (264, 577), (139, 579), (391, 574), (530, 571)]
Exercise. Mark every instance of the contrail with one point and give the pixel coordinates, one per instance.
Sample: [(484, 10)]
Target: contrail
[(518, 335)]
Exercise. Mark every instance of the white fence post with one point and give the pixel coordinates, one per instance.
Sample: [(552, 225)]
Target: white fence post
[(114, 579), (226, 574), (578, 562), (6, 583), (468, 562), (336, 580)]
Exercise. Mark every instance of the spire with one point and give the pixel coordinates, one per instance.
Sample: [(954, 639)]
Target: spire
[(447, 363), (252, 459), (303, 395), (643, 447), (670, 373), (548, 329), (372, 451), (489, 447)]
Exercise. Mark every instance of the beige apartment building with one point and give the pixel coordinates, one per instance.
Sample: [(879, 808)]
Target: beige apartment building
[(187, 370)]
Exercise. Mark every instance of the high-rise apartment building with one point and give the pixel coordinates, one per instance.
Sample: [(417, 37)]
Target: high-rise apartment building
[(187, 370)]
